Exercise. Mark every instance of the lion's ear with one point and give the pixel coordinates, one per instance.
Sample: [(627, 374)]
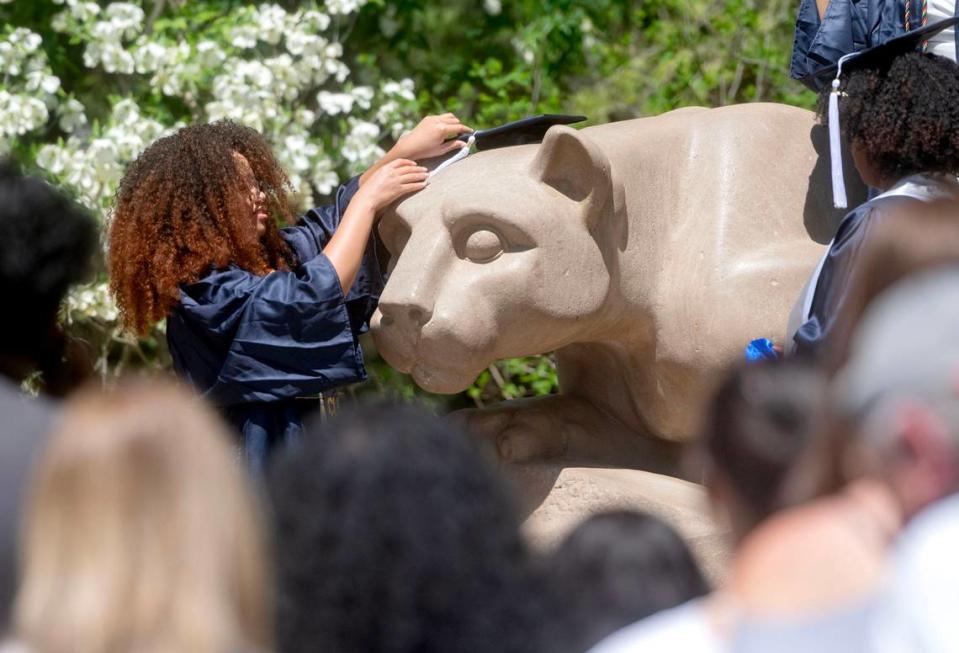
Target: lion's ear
[(575, 166)]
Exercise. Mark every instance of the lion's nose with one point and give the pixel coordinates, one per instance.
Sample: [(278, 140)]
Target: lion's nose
[(409, 315)]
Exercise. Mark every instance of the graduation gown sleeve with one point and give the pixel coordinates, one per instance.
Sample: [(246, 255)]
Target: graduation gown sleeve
[(833, 287)]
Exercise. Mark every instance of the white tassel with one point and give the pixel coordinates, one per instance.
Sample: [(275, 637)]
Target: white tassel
[(835, 137), (835, 149), (462, 154)]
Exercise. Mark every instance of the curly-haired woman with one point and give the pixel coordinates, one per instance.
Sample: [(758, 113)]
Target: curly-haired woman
[(257, 317), (901, 119)]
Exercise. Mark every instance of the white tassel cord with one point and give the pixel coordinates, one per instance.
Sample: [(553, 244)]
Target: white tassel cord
[(462, 154), (835, 139), (835, 150)]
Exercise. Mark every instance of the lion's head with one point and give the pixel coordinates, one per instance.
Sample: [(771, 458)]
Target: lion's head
[(497, 257)]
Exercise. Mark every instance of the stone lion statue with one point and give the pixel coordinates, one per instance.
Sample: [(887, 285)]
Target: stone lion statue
[(645, 253)]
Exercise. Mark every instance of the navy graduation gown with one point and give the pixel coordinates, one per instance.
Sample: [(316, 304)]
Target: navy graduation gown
[(254, 344), (832, 287)]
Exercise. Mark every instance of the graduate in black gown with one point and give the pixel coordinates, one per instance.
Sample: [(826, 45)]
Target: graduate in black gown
[(259, 319), (899, 112)]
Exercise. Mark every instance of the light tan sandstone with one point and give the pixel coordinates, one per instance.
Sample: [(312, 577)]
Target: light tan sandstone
[(645, 253)]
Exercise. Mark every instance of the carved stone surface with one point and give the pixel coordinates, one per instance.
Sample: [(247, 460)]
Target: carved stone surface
[(557, 498), (645, 253)]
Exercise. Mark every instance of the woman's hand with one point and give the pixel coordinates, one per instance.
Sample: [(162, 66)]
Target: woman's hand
[(434, 136), (390, 182), (382, 187)]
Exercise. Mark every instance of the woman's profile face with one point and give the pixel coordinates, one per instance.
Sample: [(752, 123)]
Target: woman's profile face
[(254, 199)]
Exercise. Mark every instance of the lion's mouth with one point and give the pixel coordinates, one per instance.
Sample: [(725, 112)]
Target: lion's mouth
[(441, 379), (442, 371)]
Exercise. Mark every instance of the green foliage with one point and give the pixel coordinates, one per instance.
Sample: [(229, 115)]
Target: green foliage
[(609, 59)]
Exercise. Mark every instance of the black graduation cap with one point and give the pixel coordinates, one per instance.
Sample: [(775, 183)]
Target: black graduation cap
[(524, 131), (875, 57)]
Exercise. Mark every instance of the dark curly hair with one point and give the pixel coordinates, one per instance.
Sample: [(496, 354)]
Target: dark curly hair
[(758, 423), (179, 214), (47, 243), (394, 533), (904, 115), (615, 569)]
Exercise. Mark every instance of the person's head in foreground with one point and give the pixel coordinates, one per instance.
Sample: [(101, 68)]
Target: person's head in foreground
[(760, 419), (141, 533), (617, 568), (201, 198), (46, 245), (899, 390), (899, 117), (395, 532), (822, 570)]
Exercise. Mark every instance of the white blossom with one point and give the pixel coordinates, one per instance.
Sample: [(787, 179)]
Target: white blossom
[(72, 116), (493, 7), (335, 103), (38, 80), (360, 147), (343, 7), (244, 37), (313, 21), (402, 89), (304, 44), (93, 300), (304, 117), (363, 96), (149, 56), (20, 114), (272, 23), (84, 11), (323, 175), (125, 19), (209, 54), (298, 152), (60, 22)]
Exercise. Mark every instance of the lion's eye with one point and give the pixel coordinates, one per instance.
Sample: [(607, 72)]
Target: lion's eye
[(483, 245)]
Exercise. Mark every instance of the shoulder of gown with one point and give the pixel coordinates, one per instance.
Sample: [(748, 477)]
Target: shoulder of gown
[(832, 286)]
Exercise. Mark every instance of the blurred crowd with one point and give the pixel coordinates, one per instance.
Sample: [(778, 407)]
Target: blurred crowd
[(130, 523), (389, 529)]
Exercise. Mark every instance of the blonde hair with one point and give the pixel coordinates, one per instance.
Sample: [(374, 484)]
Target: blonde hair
[(141, 533)]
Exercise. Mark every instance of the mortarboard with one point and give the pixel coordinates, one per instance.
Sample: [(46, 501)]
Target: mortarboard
[(874, 57), (527, 130)]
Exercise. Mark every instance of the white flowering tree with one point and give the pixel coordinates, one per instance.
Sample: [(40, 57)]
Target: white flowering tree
[(86, 86)]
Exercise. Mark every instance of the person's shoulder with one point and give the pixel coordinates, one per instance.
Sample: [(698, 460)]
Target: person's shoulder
[(220, 284), (683, 628), (872, 212)]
